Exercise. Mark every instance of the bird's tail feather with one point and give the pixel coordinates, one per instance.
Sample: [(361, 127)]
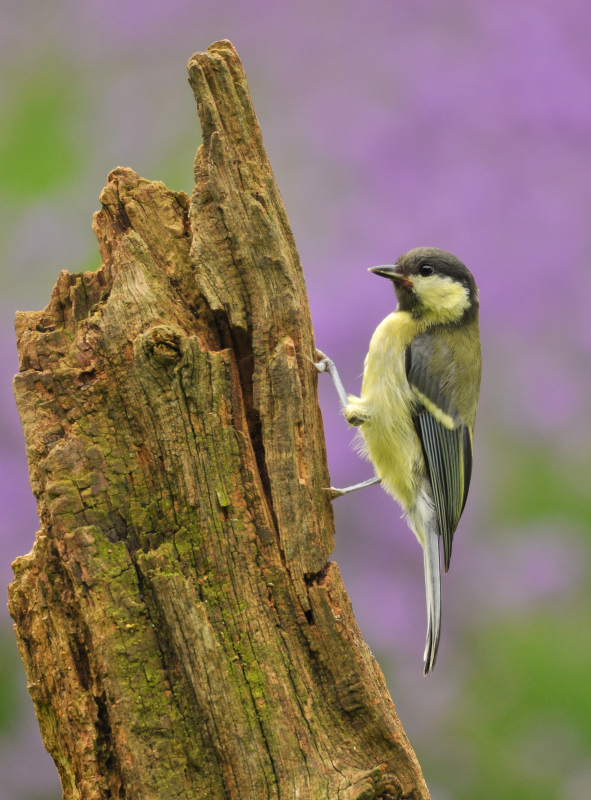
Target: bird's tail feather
[(433, 590)]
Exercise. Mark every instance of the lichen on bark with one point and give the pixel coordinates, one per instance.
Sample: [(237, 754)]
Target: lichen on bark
[(183, 632)]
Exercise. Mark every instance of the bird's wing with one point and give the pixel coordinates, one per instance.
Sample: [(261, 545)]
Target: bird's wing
[(431, 369)]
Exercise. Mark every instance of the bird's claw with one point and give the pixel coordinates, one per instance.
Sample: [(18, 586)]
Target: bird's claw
[(332, 493), (324, 362)]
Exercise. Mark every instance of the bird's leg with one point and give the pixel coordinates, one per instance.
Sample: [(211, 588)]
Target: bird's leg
[(340, 492), (326, 364)]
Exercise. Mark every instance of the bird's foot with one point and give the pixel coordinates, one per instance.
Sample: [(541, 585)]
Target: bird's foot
[(323, 364), (326, 364), (331, 492)]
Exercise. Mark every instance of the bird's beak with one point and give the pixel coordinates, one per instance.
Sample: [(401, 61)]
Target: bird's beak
[(393, 273)]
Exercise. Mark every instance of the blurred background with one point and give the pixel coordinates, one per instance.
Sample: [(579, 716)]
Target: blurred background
[(464, 125)]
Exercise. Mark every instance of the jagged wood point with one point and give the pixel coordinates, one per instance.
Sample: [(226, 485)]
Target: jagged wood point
[(183, 632)]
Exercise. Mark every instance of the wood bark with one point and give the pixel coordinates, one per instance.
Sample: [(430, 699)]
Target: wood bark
[(183, 632)]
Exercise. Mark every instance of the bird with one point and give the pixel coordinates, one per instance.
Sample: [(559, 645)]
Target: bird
[(417, 407)]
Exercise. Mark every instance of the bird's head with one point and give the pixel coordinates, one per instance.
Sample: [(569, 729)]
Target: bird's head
[(432, 284)]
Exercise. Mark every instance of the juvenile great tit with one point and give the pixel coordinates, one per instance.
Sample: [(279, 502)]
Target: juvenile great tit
[(417, 408)]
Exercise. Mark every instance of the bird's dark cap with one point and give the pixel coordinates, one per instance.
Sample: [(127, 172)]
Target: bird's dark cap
[(442, 262)]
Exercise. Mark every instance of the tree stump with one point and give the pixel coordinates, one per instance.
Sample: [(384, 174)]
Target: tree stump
[(182, 630)]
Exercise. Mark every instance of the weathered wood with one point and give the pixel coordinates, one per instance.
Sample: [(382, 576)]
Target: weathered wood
[(182, 630)]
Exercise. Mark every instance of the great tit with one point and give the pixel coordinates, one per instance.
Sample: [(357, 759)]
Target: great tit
[(418, 404)]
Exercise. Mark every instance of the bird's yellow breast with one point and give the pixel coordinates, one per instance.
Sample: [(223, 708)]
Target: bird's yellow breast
[(385, 406)]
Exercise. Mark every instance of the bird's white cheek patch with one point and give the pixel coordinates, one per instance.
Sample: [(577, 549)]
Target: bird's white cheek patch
[(443, 298)]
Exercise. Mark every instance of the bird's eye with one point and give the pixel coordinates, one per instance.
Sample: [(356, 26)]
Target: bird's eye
[(426, 270)]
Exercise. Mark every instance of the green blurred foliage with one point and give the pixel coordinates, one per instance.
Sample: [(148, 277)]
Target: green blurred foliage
[(37, 148), (526, 712), (10, 670), (537, 484), (93, 262), (175, 168)]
